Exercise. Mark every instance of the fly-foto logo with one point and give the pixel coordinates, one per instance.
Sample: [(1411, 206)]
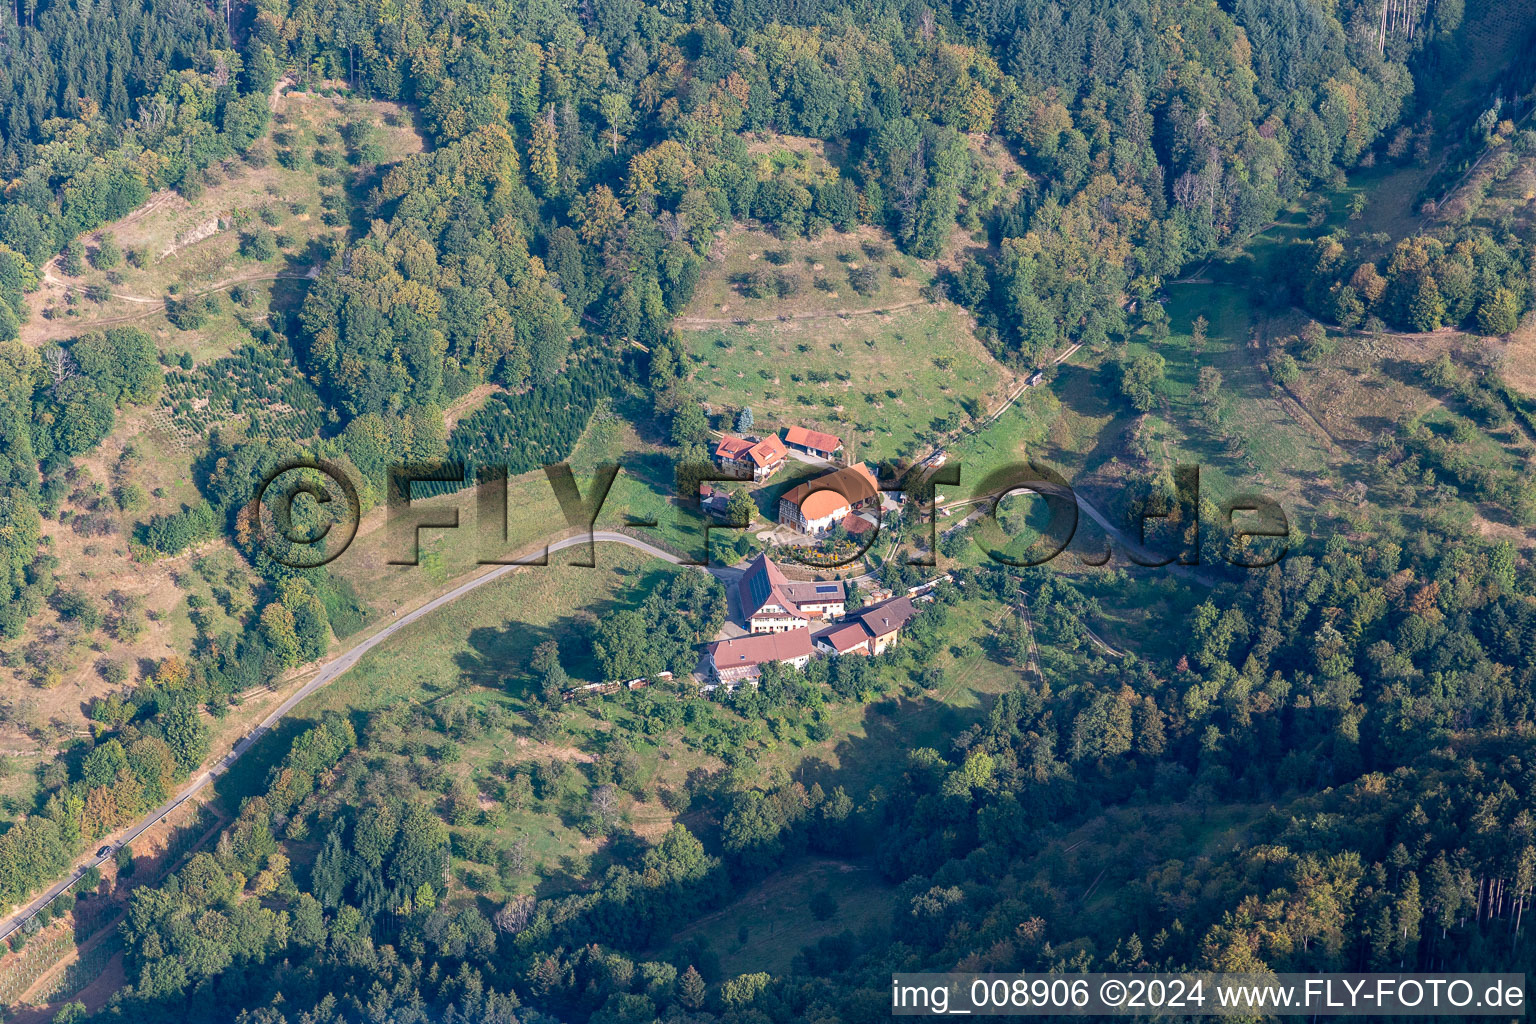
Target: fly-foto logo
[(305, 534)]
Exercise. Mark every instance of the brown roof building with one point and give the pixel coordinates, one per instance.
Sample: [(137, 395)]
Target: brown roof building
[(885, 621), (815, 506), (857, 525), (871, 631), (743, 657)]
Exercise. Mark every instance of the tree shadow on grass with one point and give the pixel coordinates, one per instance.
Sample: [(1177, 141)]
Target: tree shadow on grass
[(1091, 394), (248, 775), (1404, 371), (652, 469), (891, 728), (498, 654), (569, 874)]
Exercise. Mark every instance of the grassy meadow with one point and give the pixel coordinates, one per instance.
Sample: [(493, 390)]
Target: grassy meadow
[(884, 371)]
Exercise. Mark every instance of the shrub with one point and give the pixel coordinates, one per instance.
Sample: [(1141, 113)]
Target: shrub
[(108, 254), (865, 280), (173, 533), (77, 607), (258, 245), (185, 316), (1314, 341)]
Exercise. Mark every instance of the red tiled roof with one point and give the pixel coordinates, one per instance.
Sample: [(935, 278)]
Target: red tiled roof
[(768, 451), (764, 582), (764, 453), (761, 648), (731, 447), (812, 439), (845, 638)]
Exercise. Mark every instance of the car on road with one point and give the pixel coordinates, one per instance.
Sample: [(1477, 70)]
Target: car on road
[(106, 850)]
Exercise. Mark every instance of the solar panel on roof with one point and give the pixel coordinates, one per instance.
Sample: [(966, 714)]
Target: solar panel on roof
[(826, 588)]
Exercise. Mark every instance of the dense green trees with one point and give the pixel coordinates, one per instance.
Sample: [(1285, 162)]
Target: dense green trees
[(581, 163), (420, 313), (663, 634), (121, 362), (1467, 279), (17, 277), (628, 130), (30, 852), (1366, 693), (106, 59), (86, 382), (174, 532), (109, 104), (20, 528), (198, 929)]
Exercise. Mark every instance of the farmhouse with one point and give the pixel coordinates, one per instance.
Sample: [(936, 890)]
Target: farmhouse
[(815, 506), (885, 621), (764, 458), (871, 632), (772, 603), (743, 657), (813, 442), (849, 638)]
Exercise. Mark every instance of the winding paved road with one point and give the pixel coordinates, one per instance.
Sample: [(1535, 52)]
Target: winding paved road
[(329, 672)]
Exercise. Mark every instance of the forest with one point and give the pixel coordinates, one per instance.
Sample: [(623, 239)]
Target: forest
[(1375, 699), (1330, 768)]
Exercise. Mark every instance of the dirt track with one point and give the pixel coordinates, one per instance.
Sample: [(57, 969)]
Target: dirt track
[(40, 331)]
